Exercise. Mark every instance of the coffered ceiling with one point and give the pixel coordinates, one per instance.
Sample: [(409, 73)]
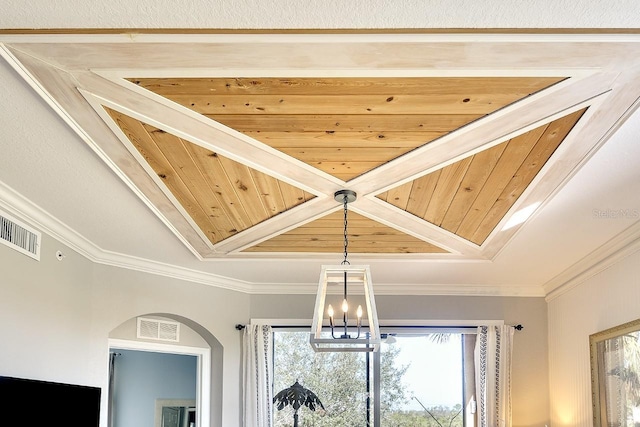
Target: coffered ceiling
[(237, 142)]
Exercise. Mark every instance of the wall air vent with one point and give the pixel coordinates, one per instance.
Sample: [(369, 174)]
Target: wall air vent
[(162, 330), (19, 236)]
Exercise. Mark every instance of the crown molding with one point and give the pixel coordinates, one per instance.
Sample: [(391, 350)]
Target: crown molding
[(412, 289), (17, 205), (616, 249)]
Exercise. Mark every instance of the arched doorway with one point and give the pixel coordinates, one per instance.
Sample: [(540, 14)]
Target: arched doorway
[(193, 342)]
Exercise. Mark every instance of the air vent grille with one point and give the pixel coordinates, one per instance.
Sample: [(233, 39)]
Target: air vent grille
[(19, 236), (162, 330)]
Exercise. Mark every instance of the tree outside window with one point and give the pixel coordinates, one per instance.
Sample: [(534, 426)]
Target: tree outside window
[(341, 381)]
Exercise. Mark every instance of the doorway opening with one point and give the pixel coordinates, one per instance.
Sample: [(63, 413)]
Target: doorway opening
[(194, 369)]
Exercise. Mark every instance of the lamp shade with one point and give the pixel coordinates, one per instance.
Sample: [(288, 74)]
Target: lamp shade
[(355, 335)]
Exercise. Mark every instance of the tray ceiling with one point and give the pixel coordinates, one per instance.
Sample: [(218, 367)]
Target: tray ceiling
[(238, 142), (345, 127)]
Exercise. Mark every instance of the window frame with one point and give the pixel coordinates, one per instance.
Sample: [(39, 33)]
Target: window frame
[(468, 327)]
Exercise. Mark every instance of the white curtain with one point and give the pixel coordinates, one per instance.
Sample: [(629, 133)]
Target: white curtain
[(493, 375), (257, 376)]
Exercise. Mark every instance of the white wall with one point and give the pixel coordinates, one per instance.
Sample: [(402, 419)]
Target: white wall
[(45, 316), (607, 299), (56, 316)]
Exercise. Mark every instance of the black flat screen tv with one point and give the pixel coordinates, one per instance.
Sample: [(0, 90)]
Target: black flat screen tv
[(26, 402)]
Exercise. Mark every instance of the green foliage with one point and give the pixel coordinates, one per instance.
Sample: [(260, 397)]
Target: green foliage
[(339, 381), (444, 417)]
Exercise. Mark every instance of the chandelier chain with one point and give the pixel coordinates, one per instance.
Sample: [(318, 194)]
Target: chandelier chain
[(346, 239)]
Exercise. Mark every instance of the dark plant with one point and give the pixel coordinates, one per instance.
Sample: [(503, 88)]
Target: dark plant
[(297, 396)]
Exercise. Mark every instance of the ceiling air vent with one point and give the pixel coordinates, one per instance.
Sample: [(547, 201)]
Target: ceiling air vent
[(19, 236), (155, 329)]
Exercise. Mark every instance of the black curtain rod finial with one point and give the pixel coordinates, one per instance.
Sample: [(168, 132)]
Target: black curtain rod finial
[(240, 327), (518, 327)]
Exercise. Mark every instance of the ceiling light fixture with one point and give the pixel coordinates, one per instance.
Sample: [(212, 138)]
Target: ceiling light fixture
[(333, 278)]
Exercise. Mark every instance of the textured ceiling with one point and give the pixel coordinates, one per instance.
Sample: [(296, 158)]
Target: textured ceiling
[(283, 14)]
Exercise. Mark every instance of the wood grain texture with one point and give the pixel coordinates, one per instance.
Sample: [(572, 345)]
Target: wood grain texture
[(345, 126), (325, 235), (223, 197), (550, 140), (77, 73), (170, 87), (470, 197)]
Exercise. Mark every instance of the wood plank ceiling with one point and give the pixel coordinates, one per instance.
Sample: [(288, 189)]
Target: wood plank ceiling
[(346, 127)]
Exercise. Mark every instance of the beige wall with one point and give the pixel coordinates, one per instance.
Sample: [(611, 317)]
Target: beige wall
[(530, 386), (607, 299)]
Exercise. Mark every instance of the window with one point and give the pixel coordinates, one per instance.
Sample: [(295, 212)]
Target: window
[(417, 379)]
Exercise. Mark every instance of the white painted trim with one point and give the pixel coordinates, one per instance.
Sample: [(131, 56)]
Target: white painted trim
[(499, 238), (198, 129), (158, 347), (97, 106), (615, 250), (437, 153), (416, 227), (246, 142), (131, 36), (20, 207), (86, 137), (203, 375), (625, 244), (281, 223)]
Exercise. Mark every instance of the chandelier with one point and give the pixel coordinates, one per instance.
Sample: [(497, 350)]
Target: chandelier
[(348, 333)]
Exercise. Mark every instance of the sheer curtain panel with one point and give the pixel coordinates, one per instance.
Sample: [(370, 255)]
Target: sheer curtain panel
[(257, 376), (493, 375)]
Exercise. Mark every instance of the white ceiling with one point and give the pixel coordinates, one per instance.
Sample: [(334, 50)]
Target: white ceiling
[(51, 177), (284, 14)]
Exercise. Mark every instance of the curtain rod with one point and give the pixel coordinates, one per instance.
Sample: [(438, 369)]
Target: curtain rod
[(517, 327)]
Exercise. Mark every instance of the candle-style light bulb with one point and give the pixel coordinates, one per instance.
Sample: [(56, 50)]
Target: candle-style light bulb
[(330, 313), (359, 312), (345, 306)]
